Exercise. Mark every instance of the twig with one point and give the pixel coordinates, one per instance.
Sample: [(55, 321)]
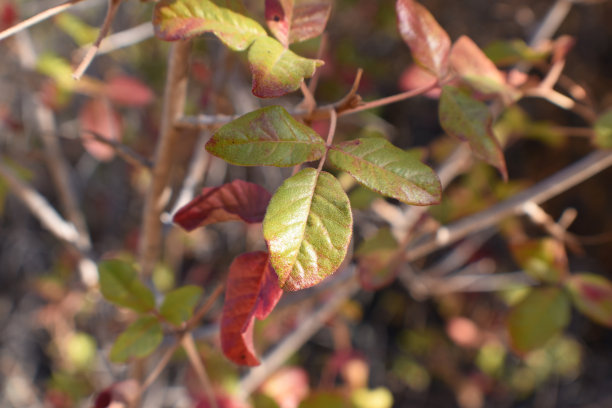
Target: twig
[(554, 18), (201, 312), (174, 103), (540, 217), (309, 102), (197, 364), (290, 344), (314, 81), (542, 191), (478, 283), (37, 19), (333, 120), (159, 367), (122, 150), (126, 38), (113, 6)]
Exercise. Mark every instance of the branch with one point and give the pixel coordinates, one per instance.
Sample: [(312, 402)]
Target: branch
[(196, 362), (126, 38), (127, 154), (174, 103)]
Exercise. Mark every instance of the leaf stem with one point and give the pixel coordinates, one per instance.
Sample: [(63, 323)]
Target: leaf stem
[(333, 121), (196, 362), (205, 308)]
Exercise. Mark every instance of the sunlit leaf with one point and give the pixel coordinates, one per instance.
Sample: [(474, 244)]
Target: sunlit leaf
[(388, 170), (375, 255), (252, 291), (277, 70), (603, 130), (266, 137), (97, 116), (235, 201), (178, 304), (120, 285), (429, 43), (57, 69), (297, 20), (592, 295), (543, 259), (182, 19), (376, 398), (287, 386), (128, 91), (308, 227), (538, 318), (470, 120), (139, 340)]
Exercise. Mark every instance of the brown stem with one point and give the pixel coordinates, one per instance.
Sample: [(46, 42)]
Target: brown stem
[(197, 364), (333, 121)]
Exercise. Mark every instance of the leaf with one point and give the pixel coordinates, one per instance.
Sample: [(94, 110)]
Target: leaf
[(415, 77), (543, 259), (506, 53), (81, 32), (277, 70), (252, 291), (477, 70), (592, 296), (235, 201), (603, 131), (266, 137), (98, 117), (139, 340), (428, 42), (388, 170), (324, 399), (537, 318), (375, 256), (297, 20), (183, 19), (469, 120), (178, 304), (308, 227), (128, 91), (120, 285)]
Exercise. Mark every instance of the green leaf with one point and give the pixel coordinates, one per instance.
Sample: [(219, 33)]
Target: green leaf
[(592, 295), (308, 227), (470, 120), (277, 70), (388, 170), (182, 19), (266, 137), (81, 32), (178, 304), (324, 399), (538, 318), (543, 259), (139, 340), (505, 53), (120, 285), (603, 131)]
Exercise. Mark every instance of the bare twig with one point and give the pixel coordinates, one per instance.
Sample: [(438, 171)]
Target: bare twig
[(174, 102), (122, 150), (159, 367), (196, 362), (540, 217), (126, 38), (201, 312), (330, 137)]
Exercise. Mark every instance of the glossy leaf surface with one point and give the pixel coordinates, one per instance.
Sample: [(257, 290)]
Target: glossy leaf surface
[(544, 259), (538, 317), (308, 227), (139, 340), (252, 291), (429, 43), (183, 19), (120, 285), (592, 296), (470, 120), (235, 201), (178, 304), (297, 20), (266, 137), (277, 70), (388, 170)]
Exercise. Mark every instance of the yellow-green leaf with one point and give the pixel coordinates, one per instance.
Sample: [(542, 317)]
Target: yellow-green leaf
[(603, 131), (120, 285), (308, 227), (178, 304), (543, 259), (592, 296), (139, 340)]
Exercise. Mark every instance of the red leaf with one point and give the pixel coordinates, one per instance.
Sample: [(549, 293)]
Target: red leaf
[(98, 116), (128, 91), (235, 201), (124, 393), (297, 20), (592, 295), (428, 42), (252, 291), (8, 15), (415, 77)]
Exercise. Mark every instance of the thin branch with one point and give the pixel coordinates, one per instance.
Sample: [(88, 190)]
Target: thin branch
[(37, 19), (330, 137), (122, 150), (541, 217), (309, 103), (159, 367), (478, 283), (174, 103), (205, 308), (197, 364), (314, 81), (554, 18), (126, 38)]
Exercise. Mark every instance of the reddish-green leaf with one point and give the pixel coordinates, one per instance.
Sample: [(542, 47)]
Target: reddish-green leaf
[(98, 117), (266, 137), (388, 170), (375, 257), (139, 340), (538, 317), (182, 19), (592, 295), (128, 91), (235, 201), (308, 227), (252, 291), (178, 304), (428, 42), (543, 259), (470, 120), (297, 20), (277, 70), (120, 285), (603, 130)]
